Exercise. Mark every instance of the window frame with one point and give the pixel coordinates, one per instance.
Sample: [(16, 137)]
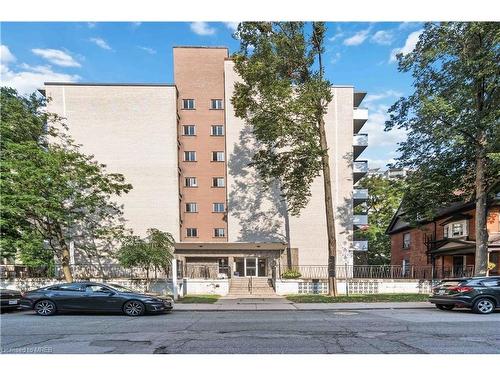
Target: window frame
[(184, 101), (186, 158), (214, 134), (219, 229), (218, 204), (215, 156), (184, 127), (221, 101), (190, 186), (192, 229), (214, 179), (448, 229), (406, 244), (195, 207)]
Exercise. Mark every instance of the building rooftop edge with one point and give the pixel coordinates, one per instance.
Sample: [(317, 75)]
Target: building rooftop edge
[(106, 84), (209, 47)]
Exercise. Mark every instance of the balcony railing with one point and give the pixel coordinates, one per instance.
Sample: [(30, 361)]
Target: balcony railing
[(359, 195), (360, 115), (360, 142), (360, 245), (360, 220), (359, 169)]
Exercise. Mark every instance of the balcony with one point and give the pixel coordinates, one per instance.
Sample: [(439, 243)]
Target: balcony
[(360, 245), (360, 116), (359, 170), (360, 142), (360, 220), (359, 196), (358, 98)]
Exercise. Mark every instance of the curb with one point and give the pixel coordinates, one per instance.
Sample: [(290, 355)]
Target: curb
[(311, 309)]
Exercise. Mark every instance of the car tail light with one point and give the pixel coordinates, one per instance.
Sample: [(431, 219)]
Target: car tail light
[(461, 289)]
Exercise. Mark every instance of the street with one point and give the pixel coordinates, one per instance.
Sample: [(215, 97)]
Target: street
[(198, 332)]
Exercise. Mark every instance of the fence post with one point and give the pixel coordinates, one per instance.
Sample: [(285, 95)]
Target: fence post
[(174, 279)]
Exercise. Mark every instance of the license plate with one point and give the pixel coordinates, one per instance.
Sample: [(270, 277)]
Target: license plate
[(442, 291), (12, 301)]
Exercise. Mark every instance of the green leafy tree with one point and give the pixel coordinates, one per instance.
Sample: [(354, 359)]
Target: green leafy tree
[(384, 197), (153, 252), (452, 120), (52, 194), (283, 96)]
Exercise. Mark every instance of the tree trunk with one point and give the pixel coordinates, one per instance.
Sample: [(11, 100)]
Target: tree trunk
[(330, 218), (481, 264), (65, 261)]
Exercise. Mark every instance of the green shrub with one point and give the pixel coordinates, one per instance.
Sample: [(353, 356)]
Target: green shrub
[(291, 274)]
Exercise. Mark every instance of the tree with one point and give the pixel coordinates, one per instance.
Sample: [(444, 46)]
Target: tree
[(452, 120), (384, 197), (52, 194), (284, 96), (155, 251)]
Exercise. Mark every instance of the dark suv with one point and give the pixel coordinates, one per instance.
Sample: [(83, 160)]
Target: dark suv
[(482, 294)]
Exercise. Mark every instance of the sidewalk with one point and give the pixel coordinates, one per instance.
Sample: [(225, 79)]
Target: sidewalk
[(277, 304)]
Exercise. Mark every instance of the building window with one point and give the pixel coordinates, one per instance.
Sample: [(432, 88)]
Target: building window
[(191, 207), (191, 182), (219, 232), (217, 130), (406, 240), (188, 104), (218, 207), (189, 130), (218, 156), (216, 104), (192, 232), (406, 267), (189, 155), (218, 182), (456, 229)]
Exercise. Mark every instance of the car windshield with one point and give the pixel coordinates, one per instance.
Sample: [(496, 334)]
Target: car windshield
[(121, 289), (447, 283)]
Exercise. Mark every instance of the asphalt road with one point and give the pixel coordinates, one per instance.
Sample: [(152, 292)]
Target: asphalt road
[(362, 331)]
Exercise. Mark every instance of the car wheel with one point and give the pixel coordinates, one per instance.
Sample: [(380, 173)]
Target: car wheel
[(445, 307), (483, 306), (45, 307), (134, 308)]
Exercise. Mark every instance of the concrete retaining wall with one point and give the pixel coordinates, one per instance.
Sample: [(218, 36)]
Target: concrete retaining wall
[(356, 286)]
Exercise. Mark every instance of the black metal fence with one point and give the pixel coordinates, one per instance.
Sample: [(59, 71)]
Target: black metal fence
[(82, 271), (375, 272)]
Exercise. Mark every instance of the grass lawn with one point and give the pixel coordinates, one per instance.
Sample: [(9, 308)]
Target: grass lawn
[(202, 298), (315, 298)]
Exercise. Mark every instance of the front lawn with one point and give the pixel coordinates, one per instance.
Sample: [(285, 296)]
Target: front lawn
[(202, 298), (321, 298)]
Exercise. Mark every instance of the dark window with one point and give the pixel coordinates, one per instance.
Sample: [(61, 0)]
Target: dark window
[(406, 240), (68, 287), (188, 104), (217, 130), (191, 232), (216, 104), (189, 130)]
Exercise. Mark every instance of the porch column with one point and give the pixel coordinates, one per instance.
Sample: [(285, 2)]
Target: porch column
[(230, 263)]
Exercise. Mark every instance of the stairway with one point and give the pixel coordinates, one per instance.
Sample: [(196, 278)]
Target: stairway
[(250, 287)]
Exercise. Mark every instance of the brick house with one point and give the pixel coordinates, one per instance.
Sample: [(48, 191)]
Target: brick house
[(444, 246)]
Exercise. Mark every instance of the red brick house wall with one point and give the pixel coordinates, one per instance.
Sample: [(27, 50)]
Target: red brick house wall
[(416, 253)]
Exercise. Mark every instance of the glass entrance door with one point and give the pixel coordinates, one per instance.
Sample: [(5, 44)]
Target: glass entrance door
[(250, 266)]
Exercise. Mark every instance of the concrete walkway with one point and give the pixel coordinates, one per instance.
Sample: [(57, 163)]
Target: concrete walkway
[(278, 303)]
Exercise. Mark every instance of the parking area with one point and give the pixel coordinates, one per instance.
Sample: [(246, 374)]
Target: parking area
[(342, 331)]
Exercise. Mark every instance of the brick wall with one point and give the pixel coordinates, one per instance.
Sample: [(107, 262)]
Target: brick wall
[(416, 253)]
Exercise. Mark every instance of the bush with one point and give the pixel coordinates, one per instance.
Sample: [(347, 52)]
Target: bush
[(291, 274)]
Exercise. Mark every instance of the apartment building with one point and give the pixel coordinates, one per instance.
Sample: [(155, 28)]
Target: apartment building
[(186, 155)]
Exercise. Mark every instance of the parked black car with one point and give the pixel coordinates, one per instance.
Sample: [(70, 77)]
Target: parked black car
[(481, 294), (10, 299), (88, 296)]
